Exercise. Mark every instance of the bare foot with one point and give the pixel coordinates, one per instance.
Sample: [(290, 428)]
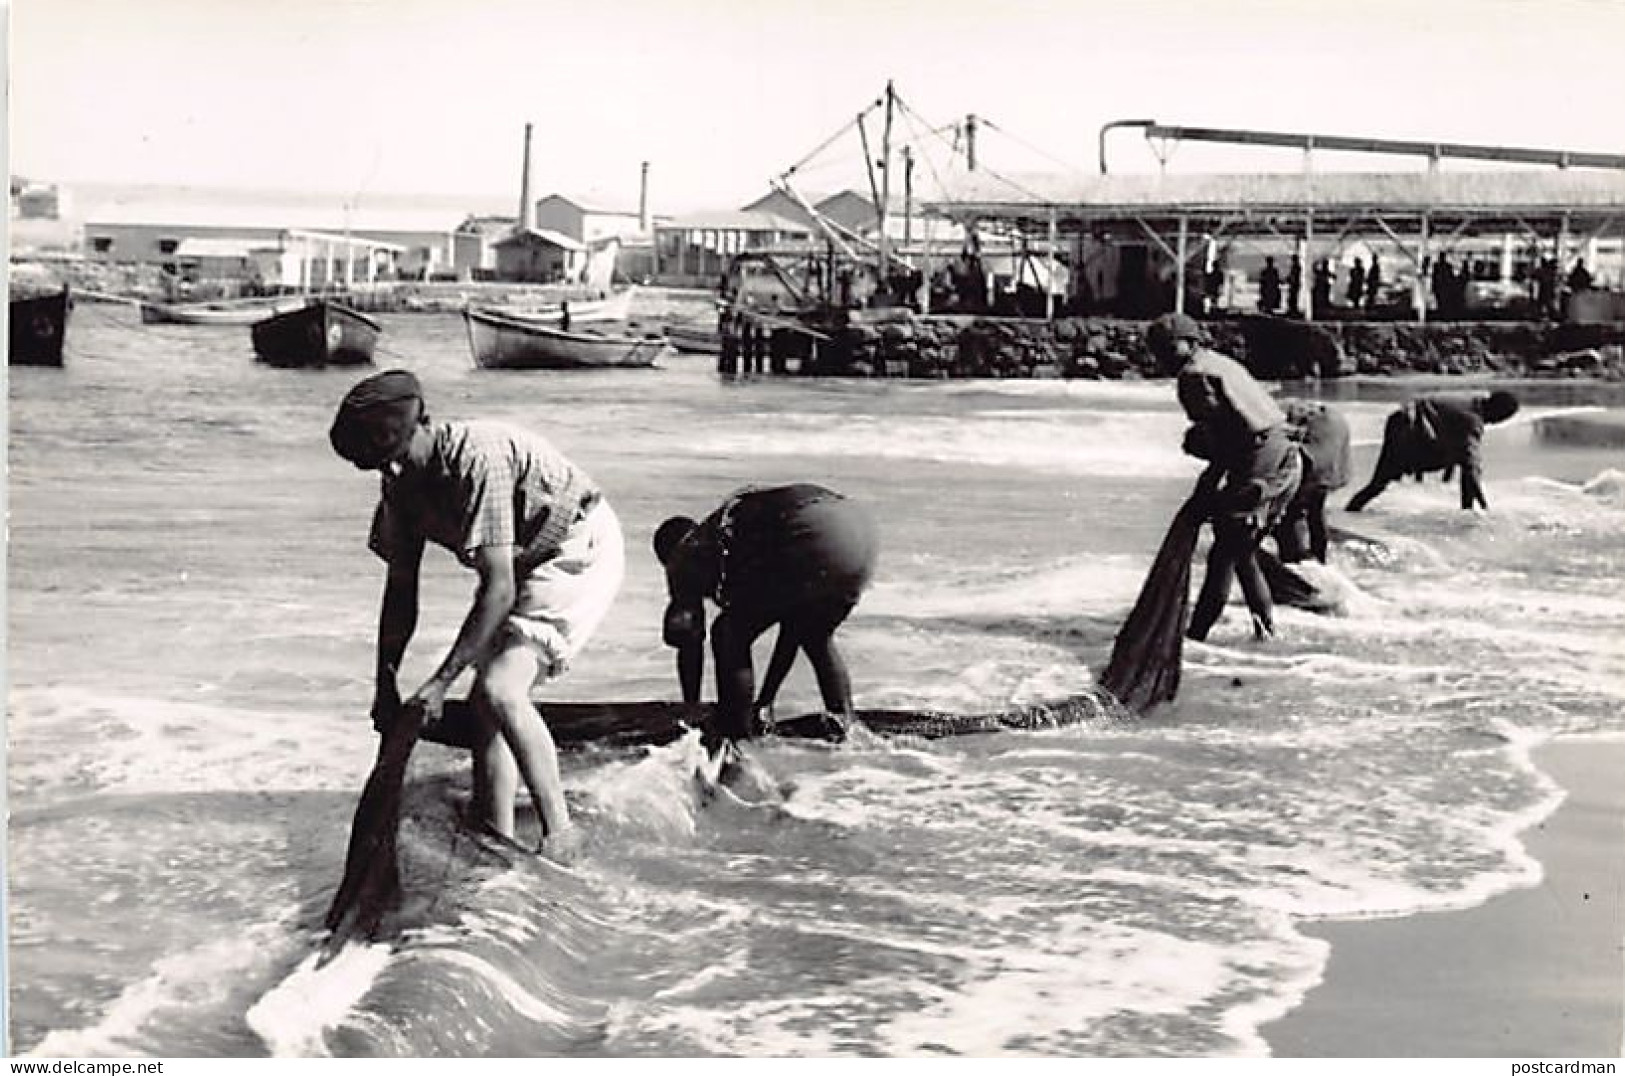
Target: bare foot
[(563, 846), (749, 780)]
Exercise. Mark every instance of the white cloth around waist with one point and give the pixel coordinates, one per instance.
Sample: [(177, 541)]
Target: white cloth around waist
[(561, 602)]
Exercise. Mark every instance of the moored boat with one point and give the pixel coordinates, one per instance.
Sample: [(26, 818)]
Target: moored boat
[(693, 337), (324, 333), (39, 326), (220, 312), (504, 343)]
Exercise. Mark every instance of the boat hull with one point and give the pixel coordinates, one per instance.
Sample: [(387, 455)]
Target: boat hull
[(695, 339), (39, 326), (503, 343), (651, 723), (245, 312), (320, 334)]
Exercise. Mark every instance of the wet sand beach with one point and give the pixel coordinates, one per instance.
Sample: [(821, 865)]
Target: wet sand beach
[(1537, 972)]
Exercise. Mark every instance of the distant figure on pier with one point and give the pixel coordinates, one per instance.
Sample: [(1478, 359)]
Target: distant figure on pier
[(564, 315), (796, 556), (1438, 432), (1356, 288), (1269, 286), (1373, 283), (1320, 292), (1546, 288), (1294, 288), (1322, 437), (1253, 467), (1443, 280), (1579, 277)]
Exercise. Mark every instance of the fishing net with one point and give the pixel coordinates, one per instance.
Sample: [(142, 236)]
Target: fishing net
[(372, 881), (1145, 663), (371, 887)]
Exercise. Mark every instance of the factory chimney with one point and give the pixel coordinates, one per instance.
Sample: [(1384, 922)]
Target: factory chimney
[(527, 210), (643, 201)]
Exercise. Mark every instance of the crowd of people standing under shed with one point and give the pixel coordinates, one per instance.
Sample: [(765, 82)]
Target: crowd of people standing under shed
[(1447, 284)]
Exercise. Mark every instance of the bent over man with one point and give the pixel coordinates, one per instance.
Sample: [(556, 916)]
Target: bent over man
[(548, 552), (1438, 432), (797, 556), (1253, 467), (1322, 437)]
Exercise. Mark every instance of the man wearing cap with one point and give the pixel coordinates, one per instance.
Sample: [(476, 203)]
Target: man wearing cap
[(1438, 432), (549, 555), (1253, 467)]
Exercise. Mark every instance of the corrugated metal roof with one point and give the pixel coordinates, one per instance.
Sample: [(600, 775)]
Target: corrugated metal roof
[(273, 216), (219, 248), (1489, 191), (739, 220), (591, 202), (547, 235)]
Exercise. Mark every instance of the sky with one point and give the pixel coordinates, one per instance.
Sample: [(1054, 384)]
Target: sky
[(367, 98)]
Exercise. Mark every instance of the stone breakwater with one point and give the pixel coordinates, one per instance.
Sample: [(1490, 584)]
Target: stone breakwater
[(1274, 348)]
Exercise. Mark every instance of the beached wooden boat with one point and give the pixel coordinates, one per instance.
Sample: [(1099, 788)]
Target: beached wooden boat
[(39, 325), (221, 311), (691, 337), (504, 343), (324, 333), (652, 723)]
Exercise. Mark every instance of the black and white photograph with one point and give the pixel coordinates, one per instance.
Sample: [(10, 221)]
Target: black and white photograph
[(834, 530)]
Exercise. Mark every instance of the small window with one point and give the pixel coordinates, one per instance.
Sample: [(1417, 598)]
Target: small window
[(168, 246), (102, 244)]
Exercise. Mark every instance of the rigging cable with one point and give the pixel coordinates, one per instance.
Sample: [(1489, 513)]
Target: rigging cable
[(831, 140)]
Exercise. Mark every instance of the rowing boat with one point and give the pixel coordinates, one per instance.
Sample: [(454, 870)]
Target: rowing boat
[(505, 343), (220, 311), (323, 333)]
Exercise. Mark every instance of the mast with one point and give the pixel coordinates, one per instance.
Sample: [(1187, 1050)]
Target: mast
[(885, 186), (908, 195)]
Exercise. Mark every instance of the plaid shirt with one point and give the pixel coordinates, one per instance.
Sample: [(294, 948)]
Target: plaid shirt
[(485, 484)]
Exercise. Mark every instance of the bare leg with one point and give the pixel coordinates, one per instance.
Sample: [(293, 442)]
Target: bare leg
[(496, 777), (502, 690), (1378, 483), (1257, 592), (736, 676), (1292, 536), (778, 666), (1393, 461), (1315, 520), (834, 682)]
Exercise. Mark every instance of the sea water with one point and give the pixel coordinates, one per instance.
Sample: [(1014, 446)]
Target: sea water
[(191, 624)]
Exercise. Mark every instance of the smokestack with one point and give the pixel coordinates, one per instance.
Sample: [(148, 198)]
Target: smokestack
[(643, 201), (527, 211)]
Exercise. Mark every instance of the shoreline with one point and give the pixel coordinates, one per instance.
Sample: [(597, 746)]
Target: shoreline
[(1533, 972)]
